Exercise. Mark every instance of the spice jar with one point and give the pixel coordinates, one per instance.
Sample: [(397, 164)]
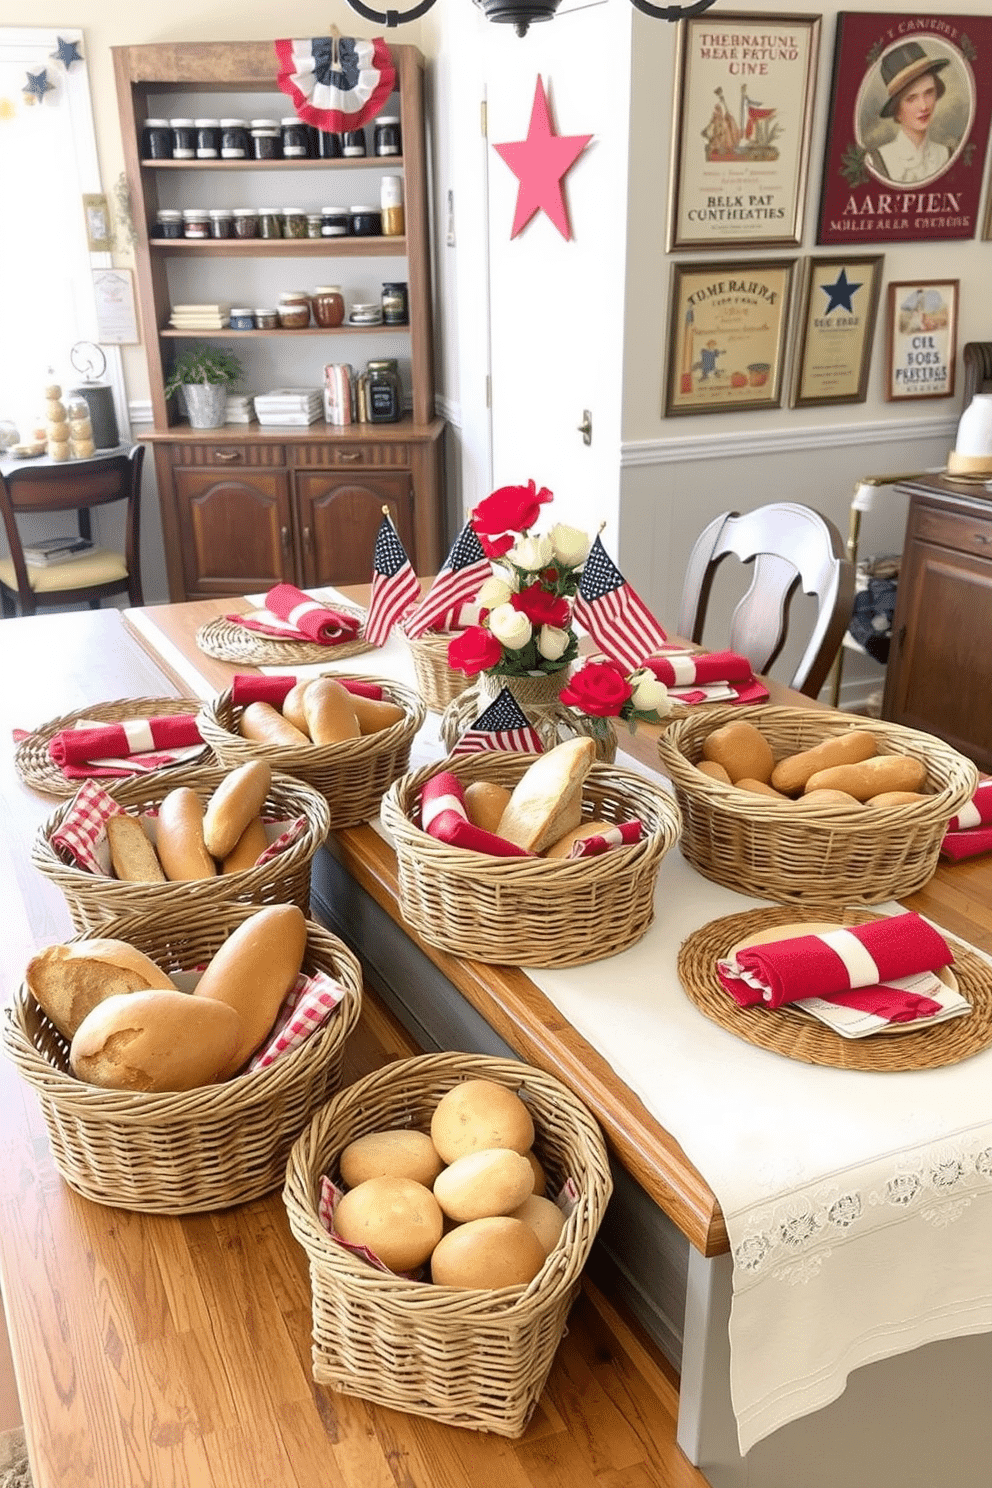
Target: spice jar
[(267, 320), (183, 139), (386, 135), (242, 319), (245, 222), (207, 139), (383, 393), (362, 313), (353, 143), (295, 139), (156, 140), (168, 223), (221, 222), (334, 222), (235, 142), (328, 306), (315, 225), (294, 310), (294, 222), (196, 222), (328, 145), (266, 139), (395, 305), (391, 199), (269, 224), (364, 222)]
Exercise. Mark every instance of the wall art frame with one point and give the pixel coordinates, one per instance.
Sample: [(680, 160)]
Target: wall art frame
[(921, 339), (836, 329), (741, 131)]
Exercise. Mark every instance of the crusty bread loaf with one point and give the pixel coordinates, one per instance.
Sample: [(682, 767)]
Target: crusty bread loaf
[(292, 705), (329, 711), (132, 855), (265, 725), (68, 981), (882, 773), (154, 1041), (237, 800), (741, 749), (791, 774), (546, 801), (253, 971), (374, 714), (248, 849), (485, 802), (180, 845)]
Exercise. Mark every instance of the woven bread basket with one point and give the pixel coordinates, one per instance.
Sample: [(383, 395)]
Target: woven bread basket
[(184, 1152), (351, 776), (531, 911), (36, 767), (437, 682), (823, 854), (470, 1358), (285, 879)]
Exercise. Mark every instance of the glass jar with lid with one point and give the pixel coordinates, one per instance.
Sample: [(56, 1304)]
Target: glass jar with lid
[(156, 140), (391, 201), (207, 139), (235, 142), (245, 222), (266, 139), (315, 225), (196, 222), (295, 138), (269, 222), (294, 309), (364, 222), (334, 222), (395, 303), (294, 222), (383, 391), (221, 222), (386, 135), (328, 306), (353, 143), (168, 223), (183, 139)]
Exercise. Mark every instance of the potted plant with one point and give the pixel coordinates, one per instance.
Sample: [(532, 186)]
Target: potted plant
[(204, 373)]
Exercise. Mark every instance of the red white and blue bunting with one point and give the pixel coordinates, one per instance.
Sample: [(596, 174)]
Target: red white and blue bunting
[(336, 83)]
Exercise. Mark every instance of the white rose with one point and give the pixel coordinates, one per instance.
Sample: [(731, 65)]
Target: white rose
[(493, 592), (532, 553), (510, 627), (552, 642), (571, 547), (650, 695)]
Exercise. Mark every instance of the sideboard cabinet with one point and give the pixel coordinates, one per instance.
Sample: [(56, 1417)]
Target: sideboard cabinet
[(939, 675)]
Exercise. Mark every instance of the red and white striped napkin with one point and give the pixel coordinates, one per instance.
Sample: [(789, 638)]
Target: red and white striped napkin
[(621, 836), (443, 815), (970, 832), (292, 615), (706, 676), (253, 687), (305, 1009), (132, 746)]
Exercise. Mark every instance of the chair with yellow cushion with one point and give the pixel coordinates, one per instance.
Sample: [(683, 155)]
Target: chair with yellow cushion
[(78, 487)]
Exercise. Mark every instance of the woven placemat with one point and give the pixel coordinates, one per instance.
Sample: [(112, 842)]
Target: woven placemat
[(228, 641), (812, 1042), (36, 767)]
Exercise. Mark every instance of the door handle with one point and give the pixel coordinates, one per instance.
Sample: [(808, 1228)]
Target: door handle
[(284, 538), (224, 455), (307, 539), (585, 428), (346, 456)]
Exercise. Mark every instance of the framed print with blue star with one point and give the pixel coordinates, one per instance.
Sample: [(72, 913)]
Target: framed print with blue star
[(839, 307), (921, 343)]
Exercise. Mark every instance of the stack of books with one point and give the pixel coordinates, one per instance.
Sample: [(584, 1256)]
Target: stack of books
[(290, 406), (199, 317), (48, 550), (240, 408)]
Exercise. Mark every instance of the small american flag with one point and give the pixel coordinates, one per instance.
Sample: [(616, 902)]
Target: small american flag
[(504, 725), (613, 613), (394, 585), (462, 575)]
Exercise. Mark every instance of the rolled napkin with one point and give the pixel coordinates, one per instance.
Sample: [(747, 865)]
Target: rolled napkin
[(144, 743), (700, 667), (837, 961), (975, 813), (290, 614), (621, 836), (252, 687), (960, 845), (443, 815), (721, 692)]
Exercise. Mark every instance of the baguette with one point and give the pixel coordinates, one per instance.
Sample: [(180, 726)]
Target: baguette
[(248, 848), (791, 774), (485, 802), (292, 706), (758, 788), (329, 711), (181, 848), (132, 855), (895, 798), (237, 800), (374, 714), (882, 773), (68, 981), (546, 801), (253, 971), (266, 725), (742, 750), (154, 1041)]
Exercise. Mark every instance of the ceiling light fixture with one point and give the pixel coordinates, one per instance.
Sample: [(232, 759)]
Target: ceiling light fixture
[(522, 13)]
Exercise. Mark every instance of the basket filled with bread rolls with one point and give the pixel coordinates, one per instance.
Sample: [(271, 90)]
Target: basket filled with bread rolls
[(447, 1204), (805, 805), (189, 840), (177, 1057), (529, 860), (347, 736)]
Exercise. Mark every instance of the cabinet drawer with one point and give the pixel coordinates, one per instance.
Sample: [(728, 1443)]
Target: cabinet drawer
[(352, 456), (241, 456), (949, 530)]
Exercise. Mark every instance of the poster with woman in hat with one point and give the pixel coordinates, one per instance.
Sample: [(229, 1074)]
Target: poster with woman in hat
[(909, 125)]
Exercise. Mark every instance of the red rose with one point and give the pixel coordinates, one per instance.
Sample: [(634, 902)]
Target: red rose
[(495, 547), (474, 650), (542, 608), (510, 509), (598, 688)]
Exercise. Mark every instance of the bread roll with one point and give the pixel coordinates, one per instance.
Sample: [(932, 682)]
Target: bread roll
[(180, 845), (248, 848), (545, 1219), (791, 774), (884, 772), (68, 981), (374, 714), (292, 705), (895, 798), (563, 846), (714, 770), (546, 801), (476, 1114), (494, 1181), (758, 788), (237, 800), (265, 725), (398, 1153), (132, 855), (485, 802), (827, 798), (487, 1253), (540, 1177), (253, 971), (398, 1220), (154, 1041), (328, 710), (742, 750)]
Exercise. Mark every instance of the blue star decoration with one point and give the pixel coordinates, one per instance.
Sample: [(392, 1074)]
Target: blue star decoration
[(840, 294), (37, 86), (66, 52)]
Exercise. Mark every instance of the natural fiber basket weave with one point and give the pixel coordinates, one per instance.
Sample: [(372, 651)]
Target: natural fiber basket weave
[(531, 911), (183, 1152), (351, 776), (471, 1358), (36, 767), (822, 854), (228, 641), (437, 682), (285, 879)]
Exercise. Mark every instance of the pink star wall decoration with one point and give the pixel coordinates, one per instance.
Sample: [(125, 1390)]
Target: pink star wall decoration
[(540, 162)]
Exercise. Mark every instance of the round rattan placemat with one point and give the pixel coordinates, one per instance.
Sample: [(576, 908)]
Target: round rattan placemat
[(811, 1042), (228, 641), (36, 767)]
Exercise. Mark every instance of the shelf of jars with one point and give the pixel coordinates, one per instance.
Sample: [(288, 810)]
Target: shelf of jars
[(371, 247), (226, 335), (363, 162)]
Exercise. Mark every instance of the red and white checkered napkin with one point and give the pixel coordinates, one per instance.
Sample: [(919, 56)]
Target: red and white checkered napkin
[(310, 1003), (970, 832), (292, 834), (133, 746), (621, 836), (326, 1205), (81, 838)]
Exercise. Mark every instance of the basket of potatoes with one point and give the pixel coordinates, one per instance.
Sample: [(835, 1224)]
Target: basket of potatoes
[(805, 805), (447, 1204)]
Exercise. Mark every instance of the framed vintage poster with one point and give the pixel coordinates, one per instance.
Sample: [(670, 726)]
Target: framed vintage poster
[(922, 339), (741, 132), (836, 330), (726, 337), (909, 123)]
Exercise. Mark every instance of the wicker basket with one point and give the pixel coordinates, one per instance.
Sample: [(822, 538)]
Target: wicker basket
[(285, 879), (183, 1152), (352, 776), (36, 767), (531, 911), (469, 1358), (437, 682), (824, 854)]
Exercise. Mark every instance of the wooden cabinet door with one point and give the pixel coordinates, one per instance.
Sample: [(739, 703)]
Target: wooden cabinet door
[(235, 530), (338, 517)]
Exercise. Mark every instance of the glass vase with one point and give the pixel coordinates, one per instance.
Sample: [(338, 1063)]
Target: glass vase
[(537, 694)]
